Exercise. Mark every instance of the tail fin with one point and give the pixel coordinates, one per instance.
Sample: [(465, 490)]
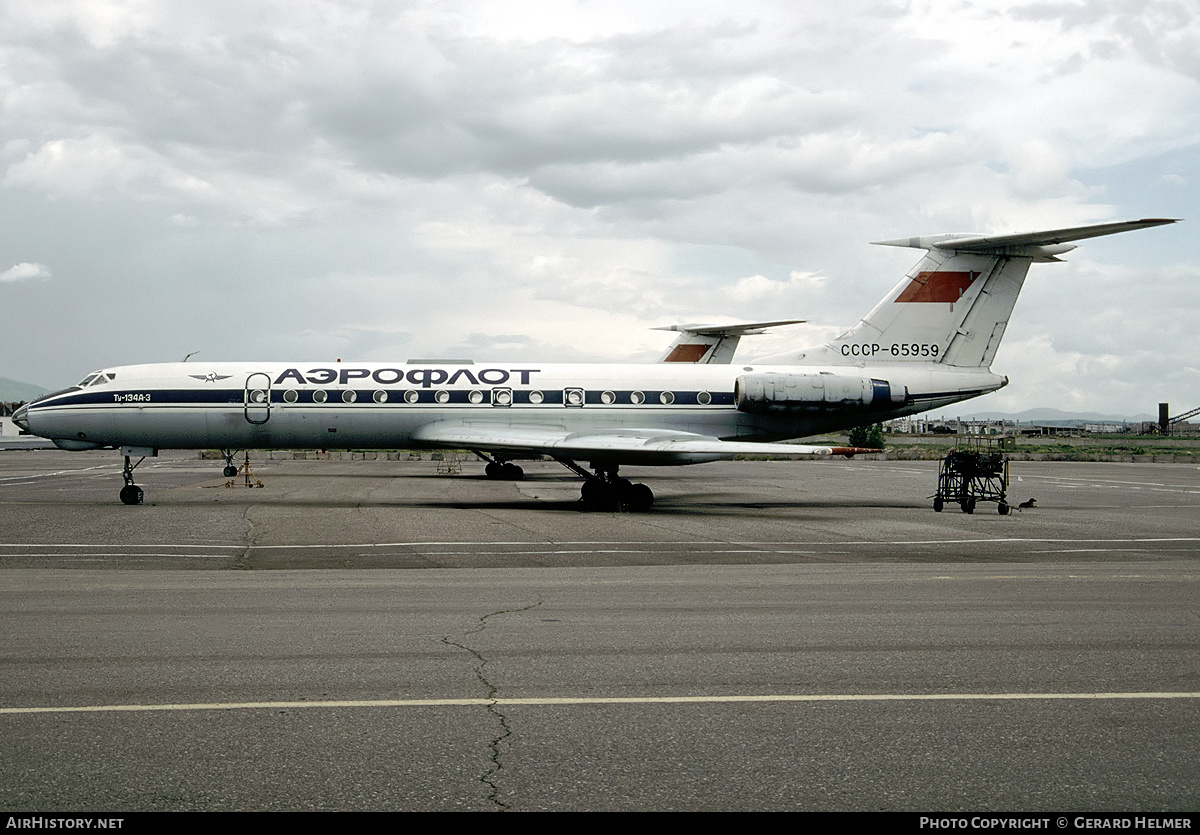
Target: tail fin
[(953, 307)]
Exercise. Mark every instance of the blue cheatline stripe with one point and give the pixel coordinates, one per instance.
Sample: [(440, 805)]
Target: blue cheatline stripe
[(234, 398)]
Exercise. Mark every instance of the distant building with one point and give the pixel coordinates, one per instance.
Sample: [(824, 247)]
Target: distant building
[(1105, 428), (8, 429)]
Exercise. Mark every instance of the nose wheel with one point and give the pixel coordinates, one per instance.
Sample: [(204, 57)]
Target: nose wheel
[(131, 493)]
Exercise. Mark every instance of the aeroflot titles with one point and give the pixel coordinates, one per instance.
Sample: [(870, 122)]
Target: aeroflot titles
[(424, 377)]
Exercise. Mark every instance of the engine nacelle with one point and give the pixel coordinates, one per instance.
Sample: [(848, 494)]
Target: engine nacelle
[(792, 394)]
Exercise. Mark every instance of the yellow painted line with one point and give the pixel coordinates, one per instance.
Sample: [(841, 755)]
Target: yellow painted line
[(602, 700)]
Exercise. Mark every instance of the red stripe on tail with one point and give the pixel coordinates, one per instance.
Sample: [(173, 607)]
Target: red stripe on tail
[(937, 287), (687, 353)]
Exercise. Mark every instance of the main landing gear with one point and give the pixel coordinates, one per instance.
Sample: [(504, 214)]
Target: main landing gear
[(504, 471), (499, 470), (606, 490)]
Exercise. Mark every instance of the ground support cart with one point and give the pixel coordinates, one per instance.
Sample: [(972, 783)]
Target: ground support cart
[(968, 476)]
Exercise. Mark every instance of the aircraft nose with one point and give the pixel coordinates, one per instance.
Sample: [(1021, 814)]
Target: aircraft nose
[(21, 418)]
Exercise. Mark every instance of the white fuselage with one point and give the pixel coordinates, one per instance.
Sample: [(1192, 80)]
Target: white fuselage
[(384, 405)]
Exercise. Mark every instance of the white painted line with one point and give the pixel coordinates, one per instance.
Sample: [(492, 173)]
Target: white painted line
[(35, 476), (603, 700), (616, 547)]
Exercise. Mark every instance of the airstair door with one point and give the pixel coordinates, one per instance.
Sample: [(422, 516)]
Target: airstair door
[(257, 400)]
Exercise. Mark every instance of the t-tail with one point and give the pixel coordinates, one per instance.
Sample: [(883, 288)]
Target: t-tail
[(954, 306)]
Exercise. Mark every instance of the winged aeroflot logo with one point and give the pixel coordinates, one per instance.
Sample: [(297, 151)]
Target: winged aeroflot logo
[(210, 377)]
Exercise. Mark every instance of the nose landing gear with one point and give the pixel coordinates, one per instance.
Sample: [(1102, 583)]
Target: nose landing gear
[(131, 493)]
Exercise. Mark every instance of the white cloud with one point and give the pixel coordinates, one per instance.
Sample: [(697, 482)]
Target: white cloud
[(428, 176), (25, 272)]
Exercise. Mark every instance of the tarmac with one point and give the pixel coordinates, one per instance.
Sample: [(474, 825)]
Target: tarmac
[(782, 635)]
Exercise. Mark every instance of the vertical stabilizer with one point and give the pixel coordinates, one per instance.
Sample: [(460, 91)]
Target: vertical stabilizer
[(954, 306)]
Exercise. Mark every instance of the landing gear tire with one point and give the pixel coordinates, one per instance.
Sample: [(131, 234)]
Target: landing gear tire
[(230, 471), (130, 493), (640, 498), (506, 471), (598, 495), (620, 494)]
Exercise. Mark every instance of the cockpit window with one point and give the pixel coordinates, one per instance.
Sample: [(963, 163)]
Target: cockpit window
[(96, 378)]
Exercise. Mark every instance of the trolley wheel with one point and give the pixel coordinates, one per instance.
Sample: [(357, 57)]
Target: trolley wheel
[(938, 504), (968, 505), (1003, 508)]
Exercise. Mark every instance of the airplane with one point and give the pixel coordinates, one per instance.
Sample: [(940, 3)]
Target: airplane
[(928, 343)]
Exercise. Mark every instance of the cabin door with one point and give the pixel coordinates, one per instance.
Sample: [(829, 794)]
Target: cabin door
[(257, 399)]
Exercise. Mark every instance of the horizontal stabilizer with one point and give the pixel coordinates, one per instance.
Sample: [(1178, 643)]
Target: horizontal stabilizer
[(729, 330), (712, 343), (1042, 245)]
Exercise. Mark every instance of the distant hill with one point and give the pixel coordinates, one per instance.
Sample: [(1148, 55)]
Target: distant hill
[(1046, 413), (12, 391)]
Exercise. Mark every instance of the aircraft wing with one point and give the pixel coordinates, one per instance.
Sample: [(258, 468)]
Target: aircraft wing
[(626, 446)]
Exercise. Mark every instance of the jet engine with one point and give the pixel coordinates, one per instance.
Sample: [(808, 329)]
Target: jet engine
[(793, 394)]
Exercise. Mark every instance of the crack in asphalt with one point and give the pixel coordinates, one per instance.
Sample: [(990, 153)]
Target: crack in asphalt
[(489, 778), (242, 562)]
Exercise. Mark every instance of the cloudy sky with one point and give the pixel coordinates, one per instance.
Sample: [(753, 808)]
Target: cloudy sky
[(548, 180)]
